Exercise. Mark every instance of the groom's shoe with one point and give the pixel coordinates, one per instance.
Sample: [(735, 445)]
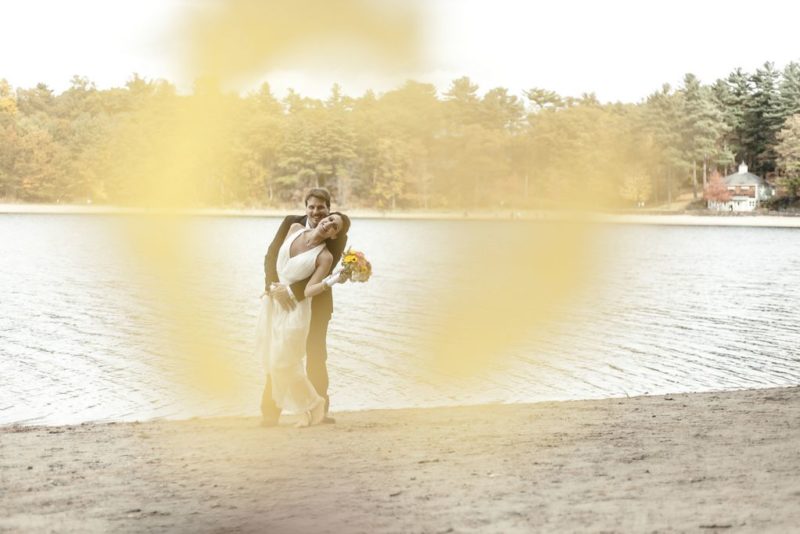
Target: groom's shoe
[(328, 420)]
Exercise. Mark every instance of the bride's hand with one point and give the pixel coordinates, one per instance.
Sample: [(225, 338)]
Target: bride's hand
[(336, 277), (342, 276)]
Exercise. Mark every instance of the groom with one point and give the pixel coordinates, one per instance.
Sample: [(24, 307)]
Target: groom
[(318, 205)]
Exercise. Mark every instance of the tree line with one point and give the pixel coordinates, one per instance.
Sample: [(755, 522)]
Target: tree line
[(408, 148)]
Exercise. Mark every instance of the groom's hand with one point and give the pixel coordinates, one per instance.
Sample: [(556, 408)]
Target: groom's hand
[(281, 294)]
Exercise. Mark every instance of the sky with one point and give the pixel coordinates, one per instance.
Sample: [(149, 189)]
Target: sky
[(621, 50)]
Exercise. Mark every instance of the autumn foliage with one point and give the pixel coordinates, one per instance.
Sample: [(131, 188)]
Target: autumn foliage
[(717, 190)]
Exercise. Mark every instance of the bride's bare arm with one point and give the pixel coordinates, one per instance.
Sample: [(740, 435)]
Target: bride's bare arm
[(317, 283)]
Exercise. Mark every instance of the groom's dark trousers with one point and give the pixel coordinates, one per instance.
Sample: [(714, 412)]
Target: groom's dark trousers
[(321, 311)]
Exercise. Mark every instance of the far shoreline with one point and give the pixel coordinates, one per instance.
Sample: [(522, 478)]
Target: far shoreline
[(770, 220)]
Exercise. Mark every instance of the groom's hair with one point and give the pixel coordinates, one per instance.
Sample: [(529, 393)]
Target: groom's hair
[(321, 194)]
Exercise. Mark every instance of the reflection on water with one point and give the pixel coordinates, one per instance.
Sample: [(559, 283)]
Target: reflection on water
[(671, 309)]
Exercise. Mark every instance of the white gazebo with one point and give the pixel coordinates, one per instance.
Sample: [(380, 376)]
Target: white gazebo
[(747, 190)]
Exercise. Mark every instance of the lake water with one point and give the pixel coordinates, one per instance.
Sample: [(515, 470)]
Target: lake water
[(667, 309)]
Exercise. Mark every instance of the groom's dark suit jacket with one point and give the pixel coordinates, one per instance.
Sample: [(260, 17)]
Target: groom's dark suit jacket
[(322, 304)]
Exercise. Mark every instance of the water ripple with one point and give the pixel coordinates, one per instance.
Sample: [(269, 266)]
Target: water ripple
[(677, 309)]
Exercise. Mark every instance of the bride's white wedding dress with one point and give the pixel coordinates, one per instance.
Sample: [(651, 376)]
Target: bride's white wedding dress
[(281, 341)]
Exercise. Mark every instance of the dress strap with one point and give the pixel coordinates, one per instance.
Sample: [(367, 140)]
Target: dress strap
[(292, 238)]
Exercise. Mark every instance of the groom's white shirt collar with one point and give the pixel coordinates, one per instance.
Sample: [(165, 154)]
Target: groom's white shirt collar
[(308, 223)]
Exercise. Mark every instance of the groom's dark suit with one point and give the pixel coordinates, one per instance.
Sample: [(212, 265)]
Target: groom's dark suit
[(321, 311)]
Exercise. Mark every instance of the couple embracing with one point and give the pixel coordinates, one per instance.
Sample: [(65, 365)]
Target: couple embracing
[(296, 307)]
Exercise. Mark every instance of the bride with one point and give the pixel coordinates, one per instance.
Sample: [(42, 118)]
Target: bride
[(281, 335)]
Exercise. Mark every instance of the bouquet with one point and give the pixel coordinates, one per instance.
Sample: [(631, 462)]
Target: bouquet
[(355, 266)]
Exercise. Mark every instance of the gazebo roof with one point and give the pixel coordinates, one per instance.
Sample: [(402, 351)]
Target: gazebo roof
[(743, 177)]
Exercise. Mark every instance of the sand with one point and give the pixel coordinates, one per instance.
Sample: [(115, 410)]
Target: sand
[(701, 462)]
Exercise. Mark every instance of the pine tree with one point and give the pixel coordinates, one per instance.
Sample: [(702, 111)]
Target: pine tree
[(703, 127), (462, 103), (763, 119), (732, 96), (790, 90), (543, 99), (664, 111)]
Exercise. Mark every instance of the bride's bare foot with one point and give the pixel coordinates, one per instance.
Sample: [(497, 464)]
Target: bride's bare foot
[(314, 416), (303, 420)]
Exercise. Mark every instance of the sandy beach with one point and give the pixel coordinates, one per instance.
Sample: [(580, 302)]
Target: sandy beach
[(702, 462)]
